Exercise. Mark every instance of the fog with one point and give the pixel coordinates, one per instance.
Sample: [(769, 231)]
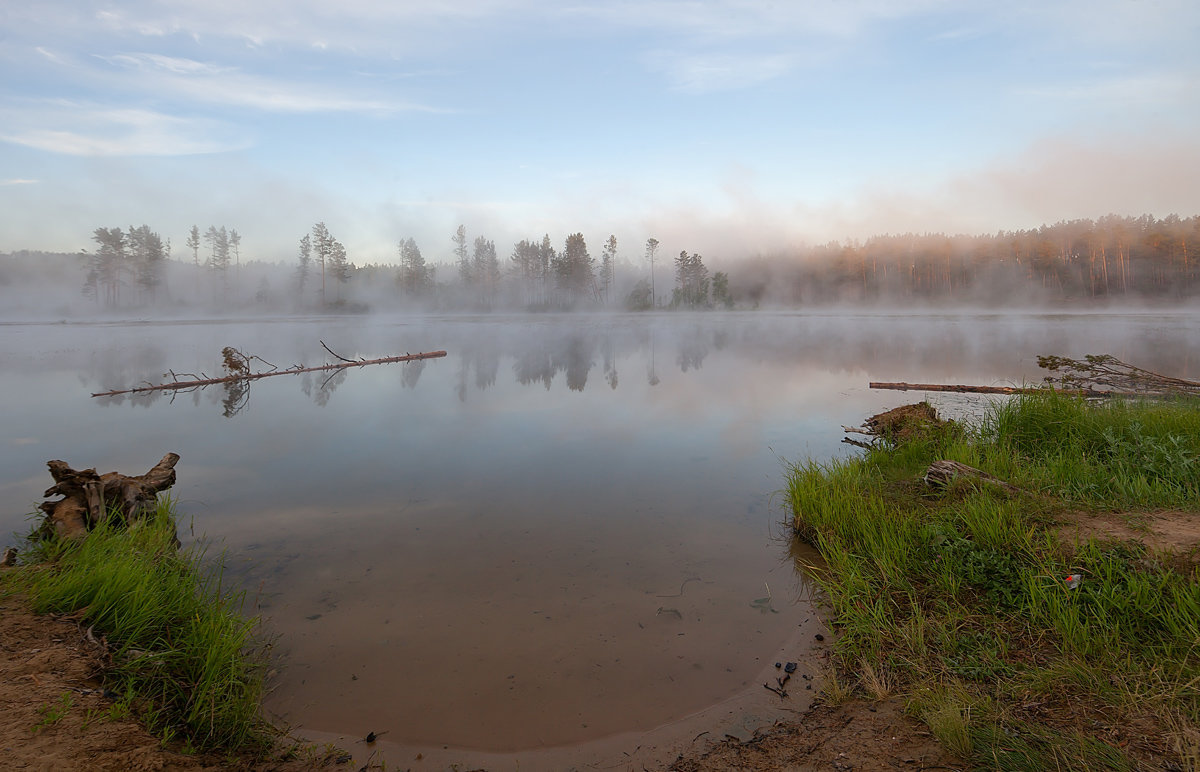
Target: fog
[(1112, 261)]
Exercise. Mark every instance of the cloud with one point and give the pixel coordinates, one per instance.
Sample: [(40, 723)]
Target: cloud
[(1147, 89), (19, 182), (173, 64), (719, 72), (728, 20), (190, 80), (366, 27), (88, 130)]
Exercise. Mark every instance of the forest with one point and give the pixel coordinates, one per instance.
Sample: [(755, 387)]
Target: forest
[(1082, 262)]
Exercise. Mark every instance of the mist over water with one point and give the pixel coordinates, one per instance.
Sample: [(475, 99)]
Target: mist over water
[(558, 532)]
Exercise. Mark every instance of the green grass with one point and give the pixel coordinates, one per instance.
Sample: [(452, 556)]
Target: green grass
[(959, 594), (52, 714), (183, 655), (1127, 454)]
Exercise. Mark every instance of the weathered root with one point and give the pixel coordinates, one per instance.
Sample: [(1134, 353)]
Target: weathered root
[(90, 498)]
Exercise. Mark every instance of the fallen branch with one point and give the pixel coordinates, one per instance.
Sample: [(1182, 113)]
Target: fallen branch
[(982, 389), (1096, 375), (942, 472), (1118, 377), (254, 376)]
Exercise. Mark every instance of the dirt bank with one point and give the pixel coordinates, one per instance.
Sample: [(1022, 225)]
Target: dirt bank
[(55, 715)]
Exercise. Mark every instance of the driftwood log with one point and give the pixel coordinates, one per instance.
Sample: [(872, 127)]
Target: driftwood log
[(90, 498), (942, 473), (965, 389)]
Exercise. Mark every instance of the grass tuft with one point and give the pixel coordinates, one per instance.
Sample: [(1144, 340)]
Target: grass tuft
[(183, 655)]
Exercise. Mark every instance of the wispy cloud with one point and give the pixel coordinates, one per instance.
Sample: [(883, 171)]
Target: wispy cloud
[(19, 182), (957, 34), (172, 64), (739, 19), (720, 72), (1172, 89), (181, 78), (362, 26), (87, 130)]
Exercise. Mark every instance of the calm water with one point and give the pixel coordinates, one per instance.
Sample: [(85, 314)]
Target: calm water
[(562, 531)]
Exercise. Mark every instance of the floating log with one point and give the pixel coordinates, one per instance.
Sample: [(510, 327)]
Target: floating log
[(255, 376), (987, 389), (90, 498)]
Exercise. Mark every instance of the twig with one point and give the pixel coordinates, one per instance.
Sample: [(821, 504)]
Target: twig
[(780, 692), (337, 356), (330, 377)]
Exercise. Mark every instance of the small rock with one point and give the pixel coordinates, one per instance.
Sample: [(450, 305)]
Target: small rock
[(819, 637)]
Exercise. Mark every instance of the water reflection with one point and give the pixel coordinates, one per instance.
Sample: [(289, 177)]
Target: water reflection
[(895, 347), (520, 509)]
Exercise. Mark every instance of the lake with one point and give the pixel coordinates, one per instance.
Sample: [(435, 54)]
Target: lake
[(564, 535)]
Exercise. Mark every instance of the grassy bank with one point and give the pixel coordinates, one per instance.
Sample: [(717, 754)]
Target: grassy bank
[(182, 655), (1029, 627)]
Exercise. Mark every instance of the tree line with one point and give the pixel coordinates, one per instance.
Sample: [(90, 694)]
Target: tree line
[(536, 275), (1084, 260), (1076, 260)]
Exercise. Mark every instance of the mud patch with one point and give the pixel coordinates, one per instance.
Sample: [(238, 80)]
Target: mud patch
[(854, 735), (1175, 535)]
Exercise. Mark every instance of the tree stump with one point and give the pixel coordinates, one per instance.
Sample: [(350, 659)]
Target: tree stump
[(90, 498)]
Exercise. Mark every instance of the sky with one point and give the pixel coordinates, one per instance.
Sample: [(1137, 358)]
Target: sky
[(724, 127)]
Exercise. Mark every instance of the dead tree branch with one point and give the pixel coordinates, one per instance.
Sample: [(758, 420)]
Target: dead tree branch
[(336, 355), (174, 385), (1112, 376)]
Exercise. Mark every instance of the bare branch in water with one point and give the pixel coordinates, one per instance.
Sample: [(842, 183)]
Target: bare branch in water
[(1106, 372)]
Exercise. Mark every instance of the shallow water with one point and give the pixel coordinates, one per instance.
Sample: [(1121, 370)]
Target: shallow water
[(564, 530)]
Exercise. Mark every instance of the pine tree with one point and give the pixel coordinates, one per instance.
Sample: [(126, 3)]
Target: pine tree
[(322, 246), (460, 253), (414, 273), (573, 270), (608, 264), (651, 254), (302, 269), (485, 270)]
